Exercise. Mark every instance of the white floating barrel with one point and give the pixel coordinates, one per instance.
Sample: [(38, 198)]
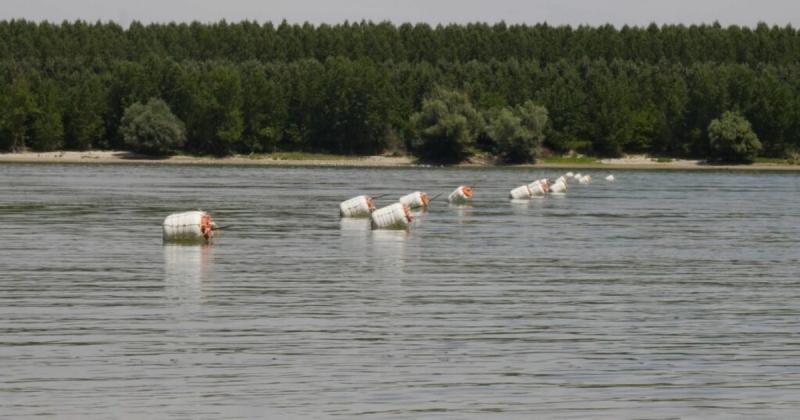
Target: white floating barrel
[(520, 192), (190, 226), (461, 195), (539, 188), (415, 200), (610, 178), (559, 187), (545, 183), (360, 206), (395, 216)]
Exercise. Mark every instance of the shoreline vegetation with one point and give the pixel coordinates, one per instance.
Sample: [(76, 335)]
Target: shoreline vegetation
[(447, 94), (630, 162)]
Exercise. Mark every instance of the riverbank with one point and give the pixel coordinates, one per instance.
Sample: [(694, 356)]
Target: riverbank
[(300, 159), (286, 159)]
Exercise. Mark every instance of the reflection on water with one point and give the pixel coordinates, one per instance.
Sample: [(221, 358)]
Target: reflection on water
[(463, 212), (663, 295), (355, 234), (388, 250), (519, 206), (354, 226), (186, 268)]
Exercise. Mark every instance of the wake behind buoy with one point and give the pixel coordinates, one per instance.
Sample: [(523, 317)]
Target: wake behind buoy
[(360, 206), (190, 226), (461, 195), (415, 200), (395, 216)]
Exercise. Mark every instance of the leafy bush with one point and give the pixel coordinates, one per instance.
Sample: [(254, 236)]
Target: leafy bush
[(793, 158), (732, 140), (446, 127), (518, 132), (152, 128)]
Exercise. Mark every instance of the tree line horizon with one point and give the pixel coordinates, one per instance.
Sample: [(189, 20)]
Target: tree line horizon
[(370, 88)]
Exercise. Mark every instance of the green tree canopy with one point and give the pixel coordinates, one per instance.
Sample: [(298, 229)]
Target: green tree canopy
[(47, 126), (732, 140), (152, 128), (348, 88), (17, 108)]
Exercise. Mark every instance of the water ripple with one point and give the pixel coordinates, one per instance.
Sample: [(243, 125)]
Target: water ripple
[(663, 295)]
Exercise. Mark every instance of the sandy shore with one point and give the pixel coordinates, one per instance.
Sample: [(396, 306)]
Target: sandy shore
[(117, 157), (642, 162), (129, 158)]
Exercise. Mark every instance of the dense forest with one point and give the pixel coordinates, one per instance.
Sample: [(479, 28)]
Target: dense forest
[(368, 88)]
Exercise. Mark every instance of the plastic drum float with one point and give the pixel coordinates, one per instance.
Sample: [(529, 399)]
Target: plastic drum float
[(361, 206), (521, 192), (415, 200), (395, 216), (539, 188), (190, 226), (559, 187), (461, 195)]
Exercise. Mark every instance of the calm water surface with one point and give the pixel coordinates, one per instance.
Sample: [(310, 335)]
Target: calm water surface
[(663, 295)]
